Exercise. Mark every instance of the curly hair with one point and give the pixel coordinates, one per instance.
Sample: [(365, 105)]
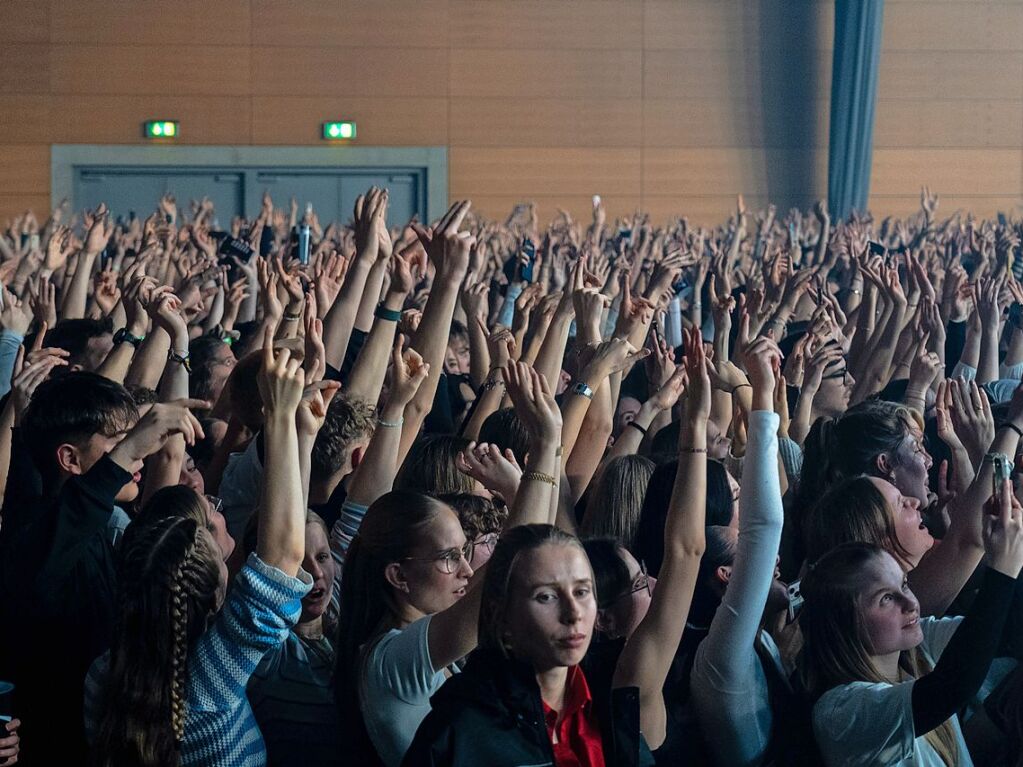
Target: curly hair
[(348, 420)]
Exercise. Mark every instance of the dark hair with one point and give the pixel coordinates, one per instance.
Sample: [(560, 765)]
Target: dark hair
[(392, 527), (202, 355), (430, 466), (500, 571), (611, 577), (74, 335), (477, 515), (720, 552), (650, 533), (72, 409), (168, 587), (616, 499), (504, 429), (458, 330), (348, 420)]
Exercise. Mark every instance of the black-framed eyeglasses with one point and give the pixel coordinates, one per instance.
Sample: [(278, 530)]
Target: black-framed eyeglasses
[(642, 583), (216, 504), (447, 561)]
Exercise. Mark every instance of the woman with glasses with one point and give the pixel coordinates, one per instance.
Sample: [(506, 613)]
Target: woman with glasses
[(408, 609), (535, 692)]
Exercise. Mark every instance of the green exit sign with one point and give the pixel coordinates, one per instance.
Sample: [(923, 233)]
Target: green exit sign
[(339, 130), (161, 129)]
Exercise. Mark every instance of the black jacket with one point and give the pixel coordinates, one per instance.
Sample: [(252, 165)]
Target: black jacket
[(59, 579), (491, 715)]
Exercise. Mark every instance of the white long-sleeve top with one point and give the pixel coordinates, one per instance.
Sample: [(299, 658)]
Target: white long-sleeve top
[(728, 684)]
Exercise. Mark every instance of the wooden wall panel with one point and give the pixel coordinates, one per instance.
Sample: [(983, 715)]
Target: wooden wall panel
[(176, 70), (25, 168), (545, 122), (669, 105), (390, 121), (154, 24)]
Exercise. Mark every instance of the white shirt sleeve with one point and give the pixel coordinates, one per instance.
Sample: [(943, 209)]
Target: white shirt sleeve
[(866, 723)]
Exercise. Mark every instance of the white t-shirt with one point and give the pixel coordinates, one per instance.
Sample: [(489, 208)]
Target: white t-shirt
[(871, 723), (397, 681)]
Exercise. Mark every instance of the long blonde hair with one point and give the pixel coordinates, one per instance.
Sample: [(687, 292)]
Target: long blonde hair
[(835, 638)]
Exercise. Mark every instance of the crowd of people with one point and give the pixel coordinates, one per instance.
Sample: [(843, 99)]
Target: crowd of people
[(474, 492)]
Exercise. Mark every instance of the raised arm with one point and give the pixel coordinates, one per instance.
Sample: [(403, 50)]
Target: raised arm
[(281, 536), (340, 319), (648, 653), (453, 632)]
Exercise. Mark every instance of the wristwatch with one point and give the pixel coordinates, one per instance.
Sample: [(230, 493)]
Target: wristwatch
[(123, 335), (582, 390)]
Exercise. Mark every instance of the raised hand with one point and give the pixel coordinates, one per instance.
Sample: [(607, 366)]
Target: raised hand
[(15, 316), (328, 275), (762, 359), (100, 231), (408, 371), (534, 402), (312, 410), (698, 393), (1003, 532), (498, 472), (972, 419), (613, 356), (315, 360), (58, 248), (447, 248), (281, 380), (161, 422)]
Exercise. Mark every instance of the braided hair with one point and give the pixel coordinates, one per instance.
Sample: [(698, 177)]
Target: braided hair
[(169, 590)]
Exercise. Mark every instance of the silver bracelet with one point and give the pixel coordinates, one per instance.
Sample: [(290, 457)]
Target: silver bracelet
[(391, 424)]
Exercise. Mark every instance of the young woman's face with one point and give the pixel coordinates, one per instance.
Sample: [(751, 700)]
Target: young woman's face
[(191, 477), (890, 611), (908, 522), (626, 613), (319, 564), (910, 476), (718, 443), (430, 588), (551, 607)]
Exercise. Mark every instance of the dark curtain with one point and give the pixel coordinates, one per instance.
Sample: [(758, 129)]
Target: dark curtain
[(853, 93)]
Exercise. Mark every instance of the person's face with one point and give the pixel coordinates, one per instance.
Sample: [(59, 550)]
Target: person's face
[(457, 358), (482, 550), (95, 448), (628, 408), (191, 477), (910, 476), (221, 365), (890, 611), (319, 564), (552, 607), (718, 442), (427, 586), (908, 522), (217, 526), (733, 486), (622, 617)]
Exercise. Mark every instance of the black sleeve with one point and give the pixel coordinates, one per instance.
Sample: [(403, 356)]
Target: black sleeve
[(963, 665)]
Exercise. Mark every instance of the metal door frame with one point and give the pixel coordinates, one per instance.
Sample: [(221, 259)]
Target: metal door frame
[(67, 159)]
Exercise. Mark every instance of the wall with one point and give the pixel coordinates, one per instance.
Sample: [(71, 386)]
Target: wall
[(666, 105)]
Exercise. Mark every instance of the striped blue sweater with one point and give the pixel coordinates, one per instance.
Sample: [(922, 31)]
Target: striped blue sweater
[(220, 728)]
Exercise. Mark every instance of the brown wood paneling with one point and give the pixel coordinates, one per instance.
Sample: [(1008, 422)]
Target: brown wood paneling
[(208, 70), (24, 68), (25, 168), (156, 24), (993, 172), (25, 21), (337, 71), (553, 73), (397, 23), (405, 121), (500, 122), (718, 122), (310, 23), (118, 119), (954, 26), (728, 171), (980, 205), (547, 24), (12, 205), (25, 119), (709, 210), (927, 75), (558, 171), (948, 123)]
